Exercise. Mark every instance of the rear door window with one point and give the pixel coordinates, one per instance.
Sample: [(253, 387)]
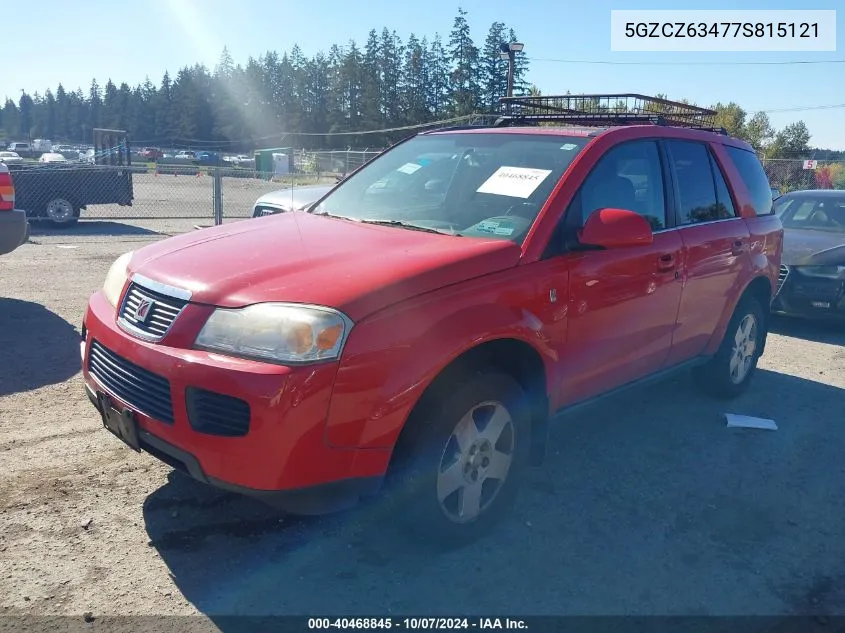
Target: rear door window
[(696, 176)]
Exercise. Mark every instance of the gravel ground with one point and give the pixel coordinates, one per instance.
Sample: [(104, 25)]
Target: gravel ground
[(647, 504)]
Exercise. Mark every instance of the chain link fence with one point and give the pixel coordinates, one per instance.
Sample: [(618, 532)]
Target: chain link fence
[(204, 195), (791, 174), (61, 194)]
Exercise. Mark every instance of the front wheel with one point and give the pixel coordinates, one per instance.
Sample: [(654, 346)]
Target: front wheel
[(467, 449), (730, 371)]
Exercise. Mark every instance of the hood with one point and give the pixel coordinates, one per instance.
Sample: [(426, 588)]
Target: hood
[(804, 247), (303, 258), (296, 197)]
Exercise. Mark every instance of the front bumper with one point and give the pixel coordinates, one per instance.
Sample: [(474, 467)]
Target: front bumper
[(811, 297), (282, 458), (14, 230)]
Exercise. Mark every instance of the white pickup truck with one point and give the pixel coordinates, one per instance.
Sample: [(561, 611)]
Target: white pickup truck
[(14, 229)]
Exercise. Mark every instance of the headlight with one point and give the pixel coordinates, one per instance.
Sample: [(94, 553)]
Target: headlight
[(832, 272), (116, 278), (277, 332)]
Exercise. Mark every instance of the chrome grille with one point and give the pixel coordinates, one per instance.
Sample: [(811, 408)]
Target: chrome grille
[(782, 275), (149, 314), (141, 389)]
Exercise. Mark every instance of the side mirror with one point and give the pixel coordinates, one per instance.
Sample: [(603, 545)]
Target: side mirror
[(615, 228)]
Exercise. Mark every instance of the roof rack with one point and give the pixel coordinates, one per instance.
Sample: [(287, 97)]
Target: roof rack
[(605, 110)]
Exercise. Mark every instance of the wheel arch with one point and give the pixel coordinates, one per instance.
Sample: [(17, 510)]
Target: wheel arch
[(760, 288), (510, 356)]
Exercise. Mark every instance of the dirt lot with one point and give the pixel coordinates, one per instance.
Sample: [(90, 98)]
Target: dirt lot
[(647, 505)]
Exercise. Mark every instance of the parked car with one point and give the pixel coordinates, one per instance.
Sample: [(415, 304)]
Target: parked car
[(151, 153), (52, 157), (185, 155), (812, 275), (11, 158), (20, 148), (420, 339), (14, 229), (294, 198), (775, 193)]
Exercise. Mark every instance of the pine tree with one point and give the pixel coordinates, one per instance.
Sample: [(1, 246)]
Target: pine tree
[(464, 57)]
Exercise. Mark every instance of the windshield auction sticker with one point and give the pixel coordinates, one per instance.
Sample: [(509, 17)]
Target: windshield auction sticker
[(516, 182)]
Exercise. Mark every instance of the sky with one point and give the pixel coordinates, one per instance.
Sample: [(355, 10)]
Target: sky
[(569, 49)]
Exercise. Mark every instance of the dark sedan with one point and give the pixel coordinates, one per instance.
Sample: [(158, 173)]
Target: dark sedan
[(812, 274)]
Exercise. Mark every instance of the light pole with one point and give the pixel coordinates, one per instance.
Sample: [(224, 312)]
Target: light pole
[(508, 52)]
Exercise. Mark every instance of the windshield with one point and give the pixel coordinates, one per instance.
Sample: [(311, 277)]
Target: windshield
[(822, 213), (472, 184)]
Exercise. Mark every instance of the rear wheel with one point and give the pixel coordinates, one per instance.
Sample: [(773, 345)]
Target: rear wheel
[(730, 371), (61, 212), (466, 450)]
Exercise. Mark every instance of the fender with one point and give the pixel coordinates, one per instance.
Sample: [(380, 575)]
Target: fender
[(391, 358)]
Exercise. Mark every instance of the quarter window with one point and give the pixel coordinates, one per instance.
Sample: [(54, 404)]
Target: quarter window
[(754, 176)]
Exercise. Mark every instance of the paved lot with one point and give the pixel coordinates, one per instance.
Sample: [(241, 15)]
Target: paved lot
[(647, 504)]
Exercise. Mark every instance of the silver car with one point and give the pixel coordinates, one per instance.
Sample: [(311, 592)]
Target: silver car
[(293, 199), (11, 158), (812, 273)]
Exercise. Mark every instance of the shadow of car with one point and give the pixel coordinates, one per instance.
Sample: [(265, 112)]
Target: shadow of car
[(37, 347), (621, 490)]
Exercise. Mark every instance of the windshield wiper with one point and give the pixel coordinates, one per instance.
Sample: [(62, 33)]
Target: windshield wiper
[(326, 214), (408, 225)]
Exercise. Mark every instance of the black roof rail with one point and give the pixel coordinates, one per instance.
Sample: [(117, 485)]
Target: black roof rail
[(453, 128), (605, 110)]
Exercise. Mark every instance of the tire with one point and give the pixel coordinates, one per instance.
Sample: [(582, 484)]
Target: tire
[(729, 372), (61, 212), (440, 477)]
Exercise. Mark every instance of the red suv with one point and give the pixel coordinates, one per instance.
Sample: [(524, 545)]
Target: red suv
[(428, 316)]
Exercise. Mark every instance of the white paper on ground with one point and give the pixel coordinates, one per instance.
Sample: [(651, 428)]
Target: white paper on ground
[(516, 182), (68, 246), (749, 422)]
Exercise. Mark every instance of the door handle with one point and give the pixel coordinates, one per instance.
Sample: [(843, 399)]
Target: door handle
[(738, 247), (666, 262)]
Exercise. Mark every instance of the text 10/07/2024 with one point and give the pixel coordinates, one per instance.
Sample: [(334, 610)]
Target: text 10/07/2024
[(418, 623)]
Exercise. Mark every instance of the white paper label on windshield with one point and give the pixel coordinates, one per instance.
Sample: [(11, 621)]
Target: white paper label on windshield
[(568, 146), (516, 182), (409, 168)]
